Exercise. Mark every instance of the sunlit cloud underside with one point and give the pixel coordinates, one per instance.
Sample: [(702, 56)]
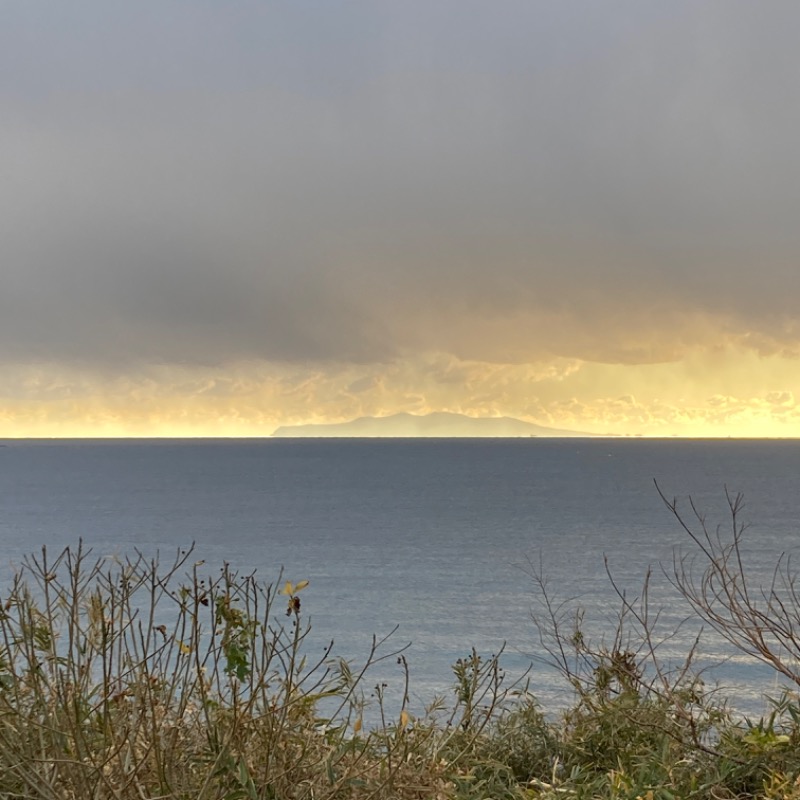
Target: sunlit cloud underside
[(715, 393)]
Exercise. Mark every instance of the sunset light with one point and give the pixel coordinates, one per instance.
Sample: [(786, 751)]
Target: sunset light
[(580, 221), (476, 321)]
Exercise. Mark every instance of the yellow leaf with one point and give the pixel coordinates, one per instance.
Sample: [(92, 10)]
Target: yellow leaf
[(288, 588), (357, 725), (185, 649), (403, 718), (300, 586)]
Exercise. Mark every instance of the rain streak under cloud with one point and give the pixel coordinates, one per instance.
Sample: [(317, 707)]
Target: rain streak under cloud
[(219, 219)]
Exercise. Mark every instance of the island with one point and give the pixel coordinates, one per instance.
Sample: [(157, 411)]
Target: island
[(439, 424)]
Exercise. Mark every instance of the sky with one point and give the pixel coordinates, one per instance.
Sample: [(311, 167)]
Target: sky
[(220, 218)]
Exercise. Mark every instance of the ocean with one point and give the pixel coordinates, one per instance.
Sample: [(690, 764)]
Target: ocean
[(437, 538)]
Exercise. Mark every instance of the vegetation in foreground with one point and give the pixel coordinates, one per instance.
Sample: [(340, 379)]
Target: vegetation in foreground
[(140, 681)]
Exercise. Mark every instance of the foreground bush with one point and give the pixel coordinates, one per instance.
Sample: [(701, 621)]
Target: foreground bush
[(137, 680), (133, 680)]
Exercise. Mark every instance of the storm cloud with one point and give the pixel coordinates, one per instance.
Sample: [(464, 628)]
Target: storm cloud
[(516, 183)]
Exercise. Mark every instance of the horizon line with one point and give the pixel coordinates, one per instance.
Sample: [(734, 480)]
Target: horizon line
[(271, 436)]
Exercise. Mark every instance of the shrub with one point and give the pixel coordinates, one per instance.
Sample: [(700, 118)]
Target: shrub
[(132, 679)]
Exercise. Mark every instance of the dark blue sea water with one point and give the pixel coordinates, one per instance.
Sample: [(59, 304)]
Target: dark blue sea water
[(433, 536)]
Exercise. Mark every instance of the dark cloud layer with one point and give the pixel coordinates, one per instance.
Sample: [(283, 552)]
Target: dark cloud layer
[(195, 183)]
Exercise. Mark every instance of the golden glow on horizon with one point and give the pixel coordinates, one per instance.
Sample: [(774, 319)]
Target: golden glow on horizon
[(710, 393)]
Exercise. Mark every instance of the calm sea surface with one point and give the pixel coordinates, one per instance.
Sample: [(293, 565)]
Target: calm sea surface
[(433, 536)]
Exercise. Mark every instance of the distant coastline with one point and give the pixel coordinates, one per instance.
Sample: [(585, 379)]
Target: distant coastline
[(439, 424)]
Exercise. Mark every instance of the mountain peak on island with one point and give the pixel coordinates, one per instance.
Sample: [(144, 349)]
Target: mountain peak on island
[(438, 424)]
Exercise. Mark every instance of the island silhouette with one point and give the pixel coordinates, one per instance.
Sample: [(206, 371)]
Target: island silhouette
[(438, 424)]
